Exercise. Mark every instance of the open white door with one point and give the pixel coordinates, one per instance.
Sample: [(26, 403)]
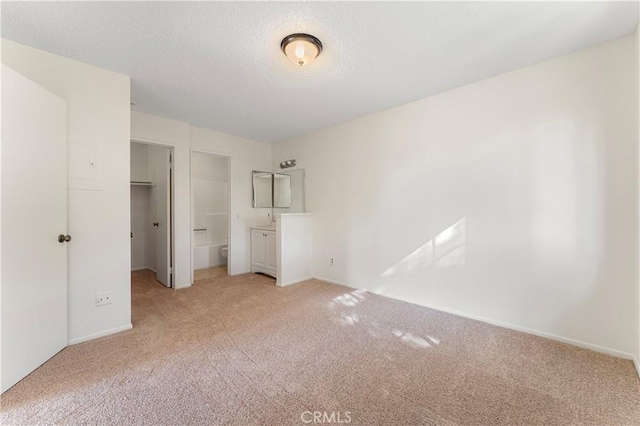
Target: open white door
[(160, 196), (34, 214)]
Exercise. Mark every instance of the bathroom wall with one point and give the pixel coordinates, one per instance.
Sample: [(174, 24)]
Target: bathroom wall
[(209, 191), (513, 200), (246, 155)]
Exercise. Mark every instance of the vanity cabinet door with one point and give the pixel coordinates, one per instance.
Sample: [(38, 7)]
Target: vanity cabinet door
[(271, 250), (258, 252)]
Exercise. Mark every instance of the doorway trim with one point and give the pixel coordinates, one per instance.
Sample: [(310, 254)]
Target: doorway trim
[(230, 221), (172, 198)]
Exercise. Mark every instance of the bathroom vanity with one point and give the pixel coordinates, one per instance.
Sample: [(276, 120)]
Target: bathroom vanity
[(284, 251), (263, 250)]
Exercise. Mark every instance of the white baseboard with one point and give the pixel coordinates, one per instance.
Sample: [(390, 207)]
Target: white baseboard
[(636, 362), (294, 282), (574, 342), (340, 283), (99, 334), (140, 269)]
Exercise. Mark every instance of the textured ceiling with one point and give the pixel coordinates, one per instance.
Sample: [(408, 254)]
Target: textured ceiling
[(219, 65)]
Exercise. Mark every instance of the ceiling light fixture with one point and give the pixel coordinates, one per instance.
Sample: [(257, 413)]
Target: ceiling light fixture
[(301, 49)]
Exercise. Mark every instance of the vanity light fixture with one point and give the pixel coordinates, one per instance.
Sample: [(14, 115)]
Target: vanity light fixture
[(287, 164), (301, 49)]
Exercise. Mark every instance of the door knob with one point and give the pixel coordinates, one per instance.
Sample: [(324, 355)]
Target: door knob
[(64, 238)]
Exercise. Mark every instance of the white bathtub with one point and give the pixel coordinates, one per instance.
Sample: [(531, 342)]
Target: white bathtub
[(209, 255)]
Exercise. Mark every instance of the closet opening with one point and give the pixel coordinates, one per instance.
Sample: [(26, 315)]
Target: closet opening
[(152, 212), (210, 210)]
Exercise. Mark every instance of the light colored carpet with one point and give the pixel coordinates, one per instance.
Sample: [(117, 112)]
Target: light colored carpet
[(238, 350)]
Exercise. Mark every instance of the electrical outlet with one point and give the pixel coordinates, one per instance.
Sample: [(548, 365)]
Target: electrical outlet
[(104, 298), (332, 261)]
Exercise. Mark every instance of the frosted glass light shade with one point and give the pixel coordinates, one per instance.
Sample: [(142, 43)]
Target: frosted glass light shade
[(301, 49)]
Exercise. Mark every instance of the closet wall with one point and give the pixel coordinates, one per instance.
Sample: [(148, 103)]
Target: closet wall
[(141, 222), (145, 166)]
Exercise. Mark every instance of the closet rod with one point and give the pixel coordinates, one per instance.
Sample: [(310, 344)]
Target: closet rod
[(137, 183)]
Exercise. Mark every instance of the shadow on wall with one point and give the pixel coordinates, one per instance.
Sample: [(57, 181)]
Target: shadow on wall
[(446, 249)]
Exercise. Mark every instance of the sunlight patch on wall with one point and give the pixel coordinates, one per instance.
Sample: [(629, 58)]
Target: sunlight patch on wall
[(446, 249)]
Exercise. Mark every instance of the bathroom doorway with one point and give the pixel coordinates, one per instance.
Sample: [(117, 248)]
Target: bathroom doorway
[(210, 211), (151, 212)]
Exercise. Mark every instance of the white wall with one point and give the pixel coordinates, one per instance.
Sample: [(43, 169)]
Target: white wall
[(139, 162), (98, 120), (294, 248), (514, 199), (209, 167), (245, 156)]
